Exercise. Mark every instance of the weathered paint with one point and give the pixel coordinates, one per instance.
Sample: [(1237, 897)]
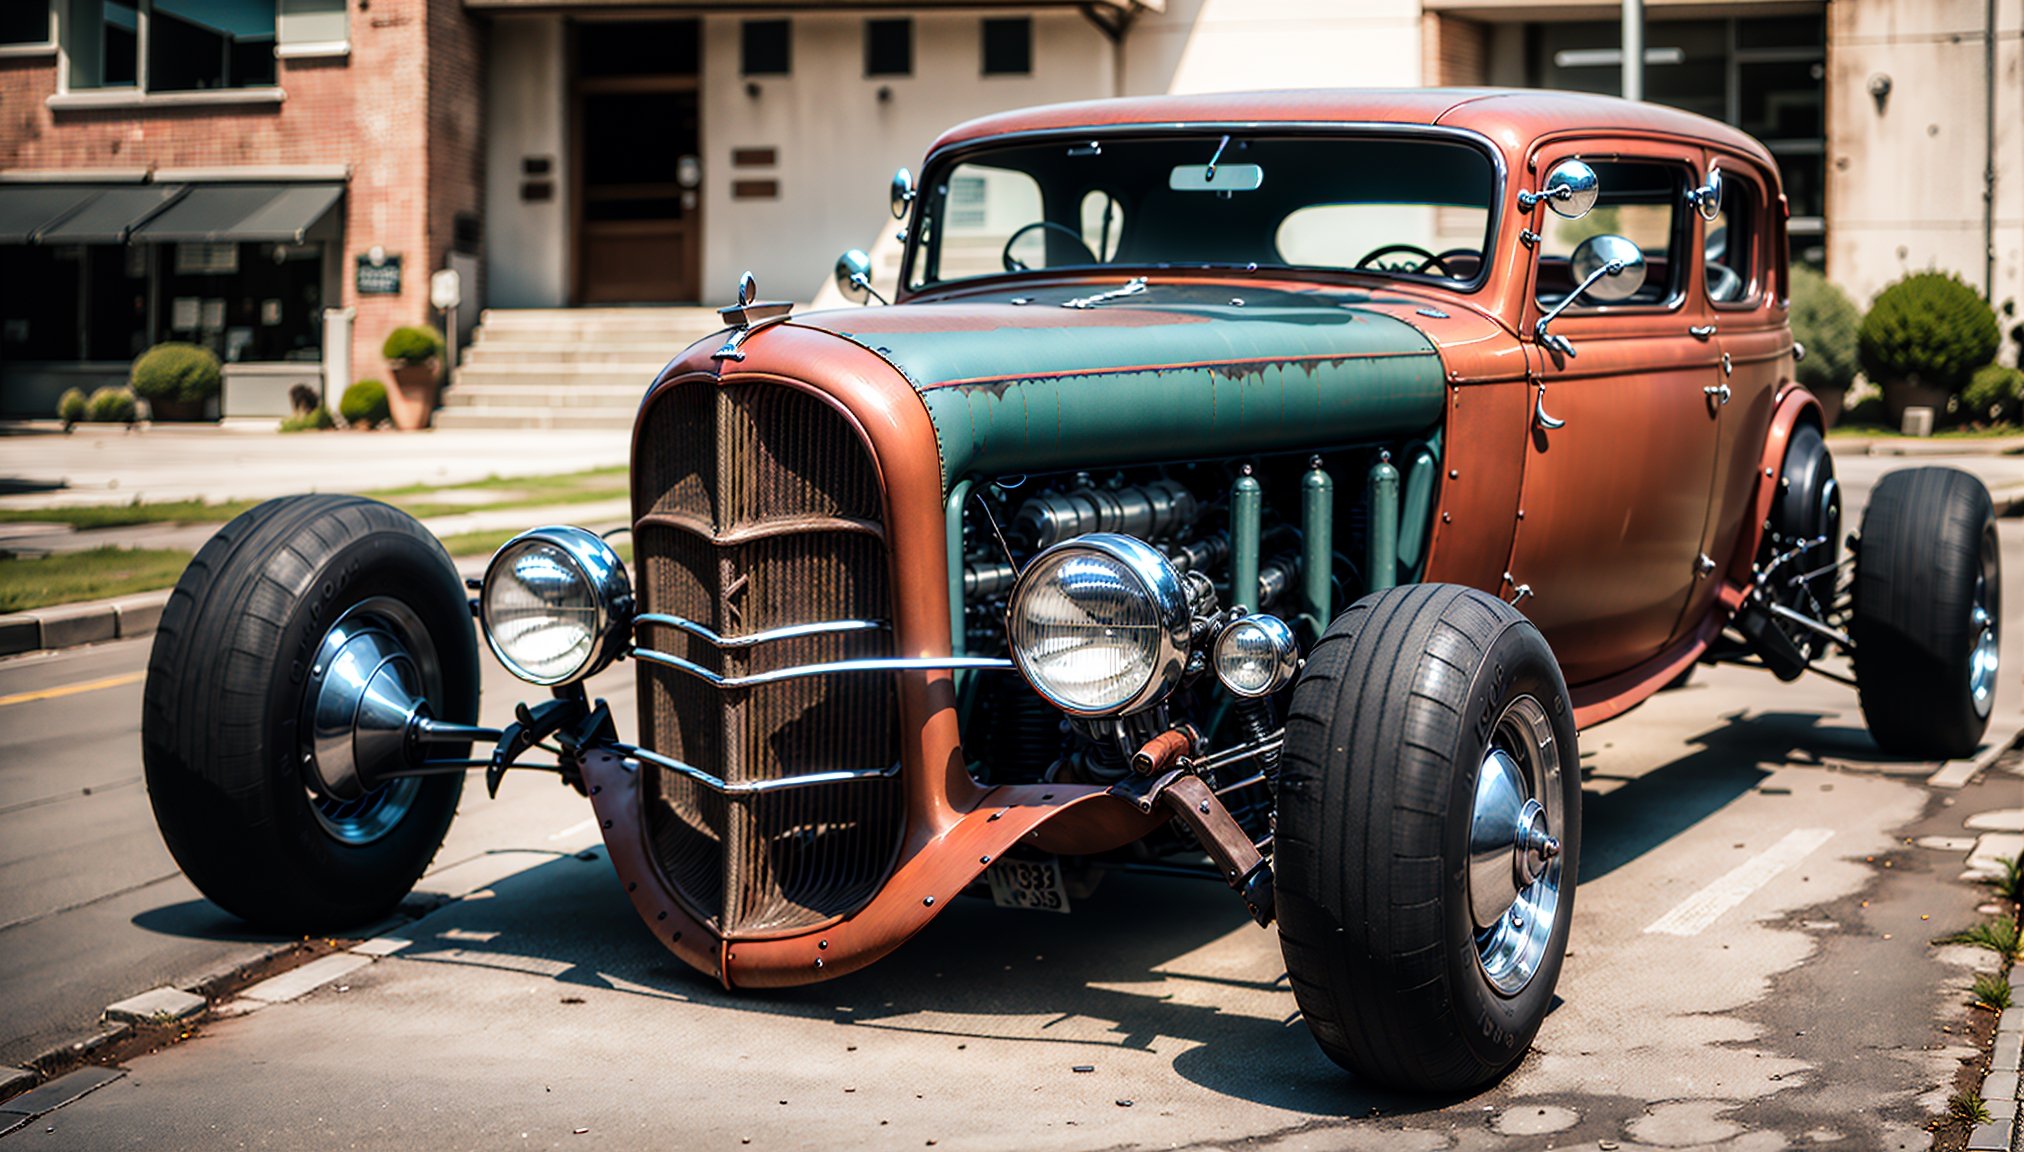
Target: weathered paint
[(1168, 379), (1317, 543), (1383, 550)]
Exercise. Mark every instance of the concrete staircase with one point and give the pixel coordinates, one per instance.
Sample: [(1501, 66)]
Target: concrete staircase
[(566, 367)]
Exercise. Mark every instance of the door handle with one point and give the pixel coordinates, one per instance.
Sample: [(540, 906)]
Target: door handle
[(1701, 331), (1539, 413), (1719, 391)]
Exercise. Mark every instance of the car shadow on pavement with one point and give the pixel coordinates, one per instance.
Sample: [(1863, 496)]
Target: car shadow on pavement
[(203, 920), (1103, 976), (1736, 755)]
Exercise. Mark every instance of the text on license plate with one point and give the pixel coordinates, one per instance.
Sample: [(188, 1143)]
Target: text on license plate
[(1034, 884)]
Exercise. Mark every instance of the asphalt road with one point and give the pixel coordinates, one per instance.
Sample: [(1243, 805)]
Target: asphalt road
[(1810, 1010)]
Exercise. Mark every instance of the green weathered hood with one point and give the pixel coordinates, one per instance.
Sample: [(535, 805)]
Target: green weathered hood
[(1171, 373)]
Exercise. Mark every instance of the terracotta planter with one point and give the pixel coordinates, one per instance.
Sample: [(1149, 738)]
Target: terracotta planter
[(412, 399), (1899, 395)]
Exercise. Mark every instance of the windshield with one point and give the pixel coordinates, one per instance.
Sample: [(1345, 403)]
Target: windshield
[(1415, 207)]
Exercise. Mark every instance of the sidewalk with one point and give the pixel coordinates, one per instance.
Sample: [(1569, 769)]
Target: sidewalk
[(99, 465)]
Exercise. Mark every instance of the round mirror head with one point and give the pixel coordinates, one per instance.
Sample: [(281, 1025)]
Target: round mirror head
[(1608, 252), (853, 275), (1571, 188), (748, 289), (902, 193), (1708, 197)]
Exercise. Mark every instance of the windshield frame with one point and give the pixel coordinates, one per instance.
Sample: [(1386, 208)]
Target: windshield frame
[(942, 160)]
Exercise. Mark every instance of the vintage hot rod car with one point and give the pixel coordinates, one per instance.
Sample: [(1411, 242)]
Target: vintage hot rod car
[(1270, 485)]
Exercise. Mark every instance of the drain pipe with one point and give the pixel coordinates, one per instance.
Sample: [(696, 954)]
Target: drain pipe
[(1634, 49), (1989, 153)]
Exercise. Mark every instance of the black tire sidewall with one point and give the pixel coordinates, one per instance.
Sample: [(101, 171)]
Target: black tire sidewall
[(1499, 1028)]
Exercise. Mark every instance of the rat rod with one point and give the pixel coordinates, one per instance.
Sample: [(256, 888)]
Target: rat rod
[(1265, 485)]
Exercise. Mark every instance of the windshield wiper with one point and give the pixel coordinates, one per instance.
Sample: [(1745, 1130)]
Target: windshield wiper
[(1132, 287)]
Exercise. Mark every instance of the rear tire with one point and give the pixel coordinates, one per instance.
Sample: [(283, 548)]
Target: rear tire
[(1928, 613), (223, 741), (1411, 962)]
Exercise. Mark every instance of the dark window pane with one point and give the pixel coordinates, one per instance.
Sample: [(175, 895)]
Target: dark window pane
[(1805, 179), (119, 64), (889, 47), (38, 302), (1008, 46), (1782, 32), (116, 303), (764, 48), (195, 44), (24, 22), (622, 180), (636, 48), (1782, 101)]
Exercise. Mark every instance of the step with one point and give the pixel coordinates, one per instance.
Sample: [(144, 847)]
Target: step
[(577, 334), (556, 353), (519, 396), (525, 417), (556, 375), (658, 322)]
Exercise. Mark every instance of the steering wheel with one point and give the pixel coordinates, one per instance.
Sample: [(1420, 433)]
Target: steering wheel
[(1427, 259), (1725, 284), (1014, 264)]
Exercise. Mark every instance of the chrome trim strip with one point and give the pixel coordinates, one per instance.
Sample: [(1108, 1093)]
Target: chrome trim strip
[(789, 632), (876, 664), (757, 787)]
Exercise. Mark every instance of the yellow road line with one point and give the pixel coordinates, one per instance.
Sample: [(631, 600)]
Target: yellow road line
[(61, 690)]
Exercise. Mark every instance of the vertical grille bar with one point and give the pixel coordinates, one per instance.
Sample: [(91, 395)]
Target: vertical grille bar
[(761, 509)]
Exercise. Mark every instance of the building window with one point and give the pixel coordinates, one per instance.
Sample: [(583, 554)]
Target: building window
[(763, 48), (889, 47), (1008, 46), (171, 45), (24, 24)]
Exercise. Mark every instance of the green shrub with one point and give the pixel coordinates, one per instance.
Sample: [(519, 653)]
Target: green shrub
[(1929, 328), (317, 419), (411, 344), (111, 404), (177, 372), (1993, 392), (1825, 320), (70, 406), (364, 403)]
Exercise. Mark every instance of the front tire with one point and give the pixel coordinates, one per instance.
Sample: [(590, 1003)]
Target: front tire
[(224, 733), (1428, 835), (1928, 613)]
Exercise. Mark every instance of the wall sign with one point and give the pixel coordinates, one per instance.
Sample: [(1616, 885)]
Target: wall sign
[(381, 277)]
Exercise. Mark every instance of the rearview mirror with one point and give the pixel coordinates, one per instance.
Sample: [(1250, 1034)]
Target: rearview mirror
[(1570, 190), (1707, 199), (1611, 269), (853, 275), (1216, 178), (902, 193)]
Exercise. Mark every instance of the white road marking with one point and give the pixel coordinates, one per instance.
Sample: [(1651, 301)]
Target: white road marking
[(1703, 908), (577, 829)]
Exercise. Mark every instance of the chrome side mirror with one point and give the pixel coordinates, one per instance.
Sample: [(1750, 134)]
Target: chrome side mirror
[(853, 276), (1611, 268), (1707, 199), (1570, 190), (902, 193)]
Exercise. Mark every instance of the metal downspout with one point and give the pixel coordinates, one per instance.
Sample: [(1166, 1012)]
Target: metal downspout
[(1633, 50), (1989, 152)]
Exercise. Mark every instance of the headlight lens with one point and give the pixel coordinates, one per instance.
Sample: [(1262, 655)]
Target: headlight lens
[(1256, 656), (556, 605), (1099, 625)]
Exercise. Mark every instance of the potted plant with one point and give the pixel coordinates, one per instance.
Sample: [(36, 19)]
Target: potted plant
[(176, 379), (1824, 321), (413, 354), (1923, 339)]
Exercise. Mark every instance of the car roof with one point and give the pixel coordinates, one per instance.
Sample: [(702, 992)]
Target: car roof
[(1512, 117)]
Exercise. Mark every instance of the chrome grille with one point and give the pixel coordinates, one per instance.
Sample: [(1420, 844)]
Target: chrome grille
[(760, 509)]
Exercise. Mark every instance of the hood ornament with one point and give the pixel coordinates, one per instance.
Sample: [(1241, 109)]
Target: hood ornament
[(747, 316)]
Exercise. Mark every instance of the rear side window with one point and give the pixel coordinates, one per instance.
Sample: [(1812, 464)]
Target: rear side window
[(1641, 201), (1730, 252)]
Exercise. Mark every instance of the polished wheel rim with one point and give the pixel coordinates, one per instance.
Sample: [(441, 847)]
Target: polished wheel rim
[(399, 633), (1983, 660), (1515, 860)]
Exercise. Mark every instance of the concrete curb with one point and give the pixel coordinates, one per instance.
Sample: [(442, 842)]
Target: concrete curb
[(86, 622), (1999, 1089)]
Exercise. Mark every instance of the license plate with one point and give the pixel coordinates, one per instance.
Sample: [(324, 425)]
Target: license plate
[(1032, 884)]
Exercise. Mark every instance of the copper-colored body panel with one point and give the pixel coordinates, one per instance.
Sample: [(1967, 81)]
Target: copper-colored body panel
[(1603, 518)]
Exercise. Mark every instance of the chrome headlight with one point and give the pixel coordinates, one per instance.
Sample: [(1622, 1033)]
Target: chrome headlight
[(1099, 625), (1256, 656), (556, 605)]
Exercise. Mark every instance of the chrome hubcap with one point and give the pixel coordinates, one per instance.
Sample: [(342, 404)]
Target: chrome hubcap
[(374, 667), (1514, 869), (1983, 660)]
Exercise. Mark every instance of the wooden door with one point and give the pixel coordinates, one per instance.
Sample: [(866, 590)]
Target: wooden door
[(638, 191)]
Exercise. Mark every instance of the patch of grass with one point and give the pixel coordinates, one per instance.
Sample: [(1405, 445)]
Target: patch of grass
[(516, 492), (1998, 936), (1992, 990), (2010, 885), (486, 543), (1886, 432), (28, 582), (1968, 1107)]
